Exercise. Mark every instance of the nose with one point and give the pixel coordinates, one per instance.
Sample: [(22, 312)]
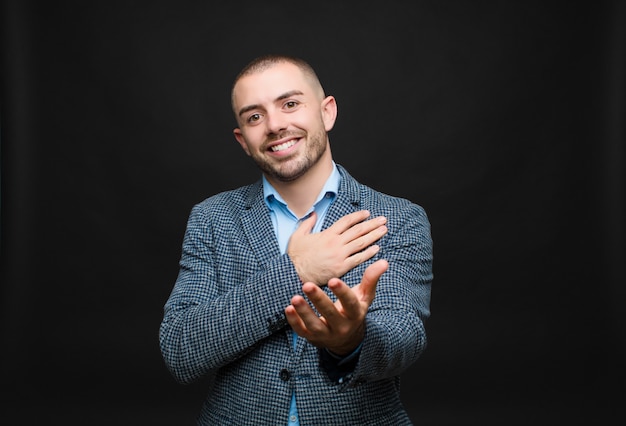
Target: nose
[(275, 122)]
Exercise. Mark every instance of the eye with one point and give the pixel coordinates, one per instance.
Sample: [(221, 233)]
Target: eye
[(291, 104), (254, 118)]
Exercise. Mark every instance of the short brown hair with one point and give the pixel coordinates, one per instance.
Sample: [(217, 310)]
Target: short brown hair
[(265, 62)]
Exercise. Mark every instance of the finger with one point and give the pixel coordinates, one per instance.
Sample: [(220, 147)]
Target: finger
[(370, 279), (348, 221), (364, 227), (306, 226), (358, 244), (321, 301), (309, 318), (295, 321), (350, 303), (362, 256)]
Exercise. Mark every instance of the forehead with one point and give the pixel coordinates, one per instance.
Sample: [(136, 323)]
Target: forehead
[(267, 85)]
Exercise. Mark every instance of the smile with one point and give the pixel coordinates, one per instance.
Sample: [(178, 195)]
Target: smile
[(284, 146)]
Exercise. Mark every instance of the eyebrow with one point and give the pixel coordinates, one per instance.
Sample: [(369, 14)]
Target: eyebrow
[(279, 98)]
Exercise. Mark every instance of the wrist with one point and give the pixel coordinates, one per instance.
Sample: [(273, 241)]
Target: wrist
[(348, 347)]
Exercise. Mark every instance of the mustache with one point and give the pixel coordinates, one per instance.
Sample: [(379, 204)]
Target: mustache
[(286, 134), (273, 137)]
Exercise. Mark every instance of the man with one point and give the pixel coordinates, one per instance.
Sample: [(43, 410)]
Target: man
[(301, 297)]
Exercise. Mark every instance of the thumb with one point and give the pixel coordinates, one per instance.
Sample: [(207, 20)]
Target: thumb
[(306, 226), (370, 279)]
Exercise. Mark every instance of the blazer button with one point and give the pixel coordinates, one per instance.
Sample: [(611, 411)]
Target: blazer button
[(285, 375)]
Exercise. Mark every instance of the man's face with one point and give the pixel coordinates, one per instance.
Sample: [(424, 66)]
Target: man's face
[(283, 120)]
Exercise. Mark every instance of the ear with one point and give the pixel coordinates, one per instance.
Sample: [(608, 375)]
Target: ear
[(241, 140), (329, 112)]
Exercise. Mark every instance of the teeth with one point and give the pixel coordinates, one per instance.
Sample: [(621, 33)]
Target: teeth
[(283, 146)]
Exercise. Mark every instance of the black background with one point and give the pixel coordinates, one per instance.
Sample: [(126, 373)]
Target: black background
[(503, 119)]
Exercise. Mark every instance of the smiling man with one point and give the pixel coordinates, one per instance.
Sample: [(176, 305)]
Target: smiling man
[(302, 297)]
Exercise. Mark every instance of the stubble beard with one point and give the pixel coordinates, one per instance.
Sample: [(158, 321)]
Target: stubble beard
[(291, 169)]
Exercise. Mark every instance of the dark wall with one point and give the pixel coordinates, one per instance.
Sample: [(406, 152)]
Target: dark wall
[(504, 120)]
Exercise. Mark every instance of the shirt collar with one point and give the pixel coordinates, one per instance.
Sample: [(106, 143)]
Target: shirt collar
[(331, 187)]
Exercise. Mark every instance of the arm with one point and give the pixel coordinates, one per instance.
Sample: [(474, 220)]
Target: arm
[(395, 335), (391, 332), (217, 313)]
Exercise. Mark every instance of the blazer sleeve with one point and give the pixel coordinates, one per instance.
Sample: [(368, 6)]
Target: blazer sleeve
[(395, 335), (222, 303)]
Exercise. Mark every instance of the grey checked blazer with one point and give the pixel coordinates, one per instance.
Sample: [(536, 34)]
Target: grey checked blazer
[(224, 319)]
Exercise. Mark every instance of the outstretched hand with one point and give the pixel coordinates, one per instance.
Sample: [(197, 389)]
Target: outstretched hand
[(320, 256), (340, 328)]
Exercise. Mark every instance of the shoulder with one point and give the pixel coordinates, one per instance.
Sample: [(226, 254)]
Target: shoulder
[(378, 202), (229, 203), (375, 198), (401, 213)]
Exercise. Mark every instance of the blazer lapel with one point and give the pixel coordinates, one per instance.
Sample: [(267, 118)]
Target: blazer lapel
[(348, 199), (257, 225)]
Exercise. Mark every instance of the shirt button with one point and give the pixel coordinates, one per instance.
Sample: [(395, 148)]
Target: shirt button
[(293, 419), (284, 375)]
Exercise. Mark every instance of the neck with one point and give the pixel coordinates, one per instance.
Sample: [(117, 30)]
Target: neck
[(300, 194)]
